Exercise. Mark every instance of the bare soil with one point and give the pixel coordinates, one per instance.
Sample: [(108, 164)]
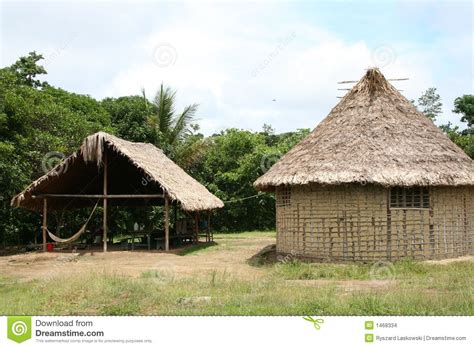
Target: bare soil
[(228, 255)]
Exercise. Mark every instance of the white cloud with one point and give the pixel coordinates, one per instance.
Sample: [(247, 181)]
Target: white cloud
[(236, 76), (236, 60)]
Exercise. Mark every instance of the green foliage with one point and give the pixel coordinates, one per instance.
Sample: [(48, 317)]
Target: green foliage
[(129, 115), (33, 122), (463, 138), (26, 69), (36, 118), (430, 103), (229, 168), (465, 106), (172, 128)]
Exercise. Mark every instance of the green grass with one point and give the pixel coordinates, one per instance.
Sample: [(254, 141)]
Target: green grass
[(297, 270), (420, 289), (243, 235), (226, 242), (290, 288), (198, 248)]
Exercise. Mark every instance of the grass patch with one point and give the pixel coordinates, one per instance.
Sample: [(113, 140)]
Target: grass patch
[(198, 248), (296, 270), (428, 290), (243, 235)]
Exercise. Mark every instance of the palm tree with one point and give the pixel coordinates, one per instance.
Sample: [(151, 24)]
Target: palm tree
[(175, 131), (172, 126)]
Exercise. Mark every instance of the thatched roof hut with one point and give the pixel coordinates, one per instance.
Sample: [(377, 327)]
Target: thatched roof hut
[(118, 171), (373, 135), (135, 168), (373, 167)]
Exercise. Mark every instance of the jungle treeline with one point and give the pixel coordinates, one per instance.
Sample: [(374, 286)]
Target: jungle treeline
[(40, 124)]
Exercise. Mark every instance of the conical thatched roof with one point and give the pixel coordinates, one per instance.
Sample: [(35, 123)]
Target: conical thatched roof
[(134, 168), (374, 135)]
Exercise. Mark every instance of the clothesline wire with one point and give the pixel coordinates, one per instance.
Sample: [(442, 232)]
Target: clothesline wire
[(244, 198)]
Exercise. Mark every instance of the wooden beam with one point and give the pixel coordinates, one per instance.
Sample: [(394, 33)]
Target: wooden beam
[(105, 174), (167, 224), (45, 221), (125, 196)]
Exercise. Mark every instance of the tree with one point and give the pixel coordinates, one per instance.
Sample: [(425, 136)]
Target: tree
[(430, 103), (129, 116), (177, 133), (234, 160), (463, 138), (173, 127), (34, 122), (465, 106), (26, 68)]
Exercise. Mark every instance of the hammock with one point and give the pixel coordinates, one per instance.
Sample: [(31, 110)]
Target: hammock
[(77, 234)]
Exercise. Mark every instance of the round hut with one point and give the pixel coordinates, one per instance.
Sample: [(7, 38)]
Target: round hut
[(375, 180)]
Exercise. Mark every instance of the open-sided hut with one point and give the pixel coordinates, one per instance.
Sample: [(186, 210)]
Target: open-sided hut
[(375, 180), (116, 171)]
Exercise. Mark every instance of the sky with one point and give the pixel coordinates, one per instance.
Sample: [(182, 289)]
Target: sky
[(245, 63)]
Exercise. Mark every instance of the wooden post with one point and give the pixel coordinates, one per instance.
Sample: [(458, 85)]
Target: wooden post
[(209, 237), (167, 223), (45, 221), (105, 172), (197, 226), (175, 212)]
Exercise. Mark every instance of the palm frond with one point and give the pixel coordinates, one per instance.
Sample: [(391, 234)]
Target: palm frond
[(164, 101), (190, 153), (182, 123)]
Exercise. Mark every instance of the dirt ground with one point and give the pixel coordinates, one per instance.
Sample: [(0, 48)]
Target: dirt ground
[(228, 255)]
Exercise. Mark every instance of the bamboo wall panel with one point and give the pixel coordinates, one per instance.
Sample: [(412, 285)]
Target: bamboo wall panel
[(356, 223)]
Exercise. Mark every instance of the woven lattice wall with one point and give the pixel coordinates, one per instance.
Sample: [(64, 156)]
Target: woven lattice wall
[(362, 223)]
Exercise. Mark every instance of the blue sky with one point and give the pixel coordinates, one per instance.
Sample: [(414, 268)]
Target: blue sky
[(245, 63)]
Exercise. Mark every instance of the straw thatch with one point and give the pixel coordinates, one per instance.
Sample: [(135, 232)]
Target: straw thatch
[(143, 165), (374, 135)]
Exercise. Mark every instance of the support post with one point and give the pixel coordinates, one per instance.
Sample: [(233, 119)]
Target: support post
[(175, 213), (167, 223), (209, 235), (196, 223), (105, 172), (45, 221)]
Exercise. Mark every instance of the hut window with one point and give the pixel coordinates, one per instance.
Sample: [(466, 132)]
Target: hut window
[(409, 197), (283, 197)]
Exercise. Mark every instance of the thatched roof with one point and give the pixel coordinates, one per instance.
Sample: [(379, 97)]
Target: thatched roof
[(373, 135), (134, 168)]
